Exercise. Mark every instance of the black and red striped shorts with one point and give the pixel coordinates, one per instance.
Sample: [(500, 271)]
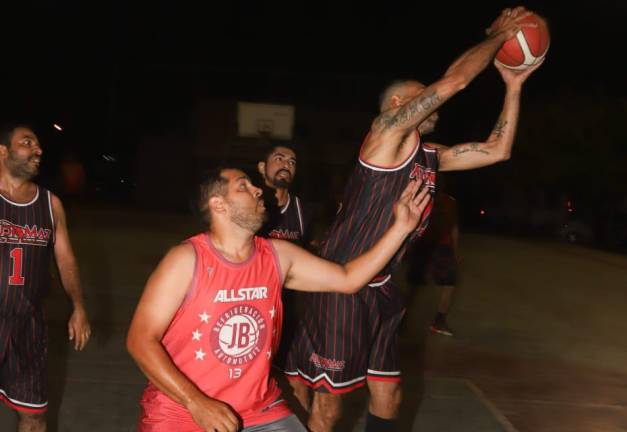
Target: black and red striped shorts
[(344, 340), (23, 372)]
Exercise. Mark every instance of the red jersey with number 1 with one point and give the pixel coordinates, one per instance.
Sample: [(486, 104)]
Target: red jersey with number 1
[(223, 338)]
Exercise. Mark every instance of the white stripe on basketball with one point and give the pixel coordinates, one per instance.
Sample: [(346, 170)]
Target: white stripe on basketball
[(530, 59)]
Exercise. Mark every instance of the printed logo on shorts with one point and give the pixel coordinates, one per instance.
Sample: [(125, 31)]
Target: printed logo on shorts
[(238, 335), (327, 364)]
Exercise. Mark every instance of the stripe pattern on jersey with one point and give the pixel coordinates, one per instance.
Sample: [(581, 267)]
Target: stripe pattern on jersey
[(344, 339), (26, 240)]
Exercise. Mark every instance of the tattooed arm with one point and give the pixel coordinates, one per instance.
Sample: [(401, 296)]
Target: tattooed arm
[(457, 77), (498, 146), (387, 144)]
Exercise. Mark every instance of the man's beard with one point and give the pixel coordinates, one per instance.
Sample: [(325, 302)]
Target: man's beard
[(248, 219), (282, 182), (20, 168)]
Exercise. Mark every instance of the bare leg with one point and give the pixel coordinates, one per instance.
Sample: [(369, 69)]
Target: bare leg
[(385, 399), (439, 323), (301, 393), (446, 296), (28, 422), (325, 412)]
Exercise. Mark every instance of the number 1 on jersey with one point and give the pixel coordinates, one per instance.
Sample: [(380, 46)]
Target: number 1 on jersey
[(17, 276)]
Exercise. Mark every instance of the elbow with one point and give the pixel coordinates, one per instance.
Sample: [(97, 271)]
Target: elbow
[(132, 344), (498, 150), (505, 155)]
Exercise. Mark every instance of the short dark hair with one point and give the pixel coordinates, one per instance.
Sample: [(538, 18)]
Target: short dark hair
[(213, 184), (270, 147), (7, 129)]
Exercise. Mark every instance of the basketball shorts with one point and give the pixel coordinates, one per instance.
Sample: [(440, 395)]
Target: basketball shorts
[(344, 340), (23, 358)]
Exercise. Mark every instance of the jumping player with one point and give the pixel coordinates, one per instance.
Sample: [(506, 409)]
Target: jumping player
[(346, 341)]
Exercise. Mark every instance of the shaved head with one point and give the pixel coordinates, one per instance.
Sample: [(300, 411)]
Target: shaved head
[(402, 89)]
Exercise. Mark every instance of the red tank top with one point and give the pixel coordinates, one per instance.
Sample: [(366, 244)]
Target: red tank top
[(225, 333)]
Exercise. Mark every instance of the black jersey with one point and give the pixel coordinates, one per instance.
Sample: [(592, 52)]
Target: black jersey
[(368, 203), (26, 240), (288, 222)]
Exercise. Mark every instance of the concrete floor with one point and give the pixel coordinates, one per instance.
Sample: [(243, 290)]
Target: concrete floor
[(540, 342)]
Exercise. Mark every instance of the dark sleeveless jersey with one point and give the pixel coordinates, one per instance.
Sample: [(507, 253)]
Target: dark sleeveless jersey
[(368, 203), (26, 240), (288, 223)]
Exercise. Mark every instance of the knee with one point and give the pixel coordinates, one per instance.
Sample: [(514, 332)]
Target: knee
[(35, 421), (385, 400), (327, 407)]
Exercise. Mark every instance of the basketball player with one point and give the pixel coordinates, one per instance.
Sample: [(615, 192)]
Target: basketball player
[(32, 227), (287, 217), (346, 341), (209, 320)]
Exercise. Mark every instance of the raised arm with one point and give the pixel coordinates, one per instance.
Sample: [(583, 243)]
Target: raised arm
[(163, 295), (78, 326), (307, 272), (498, 145), (398, 121)]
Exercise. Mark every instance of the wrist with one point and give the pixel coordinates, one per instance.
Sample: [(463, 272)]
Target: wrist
[(78, 305), (499, 37), (514, 89), (191, 400), (400, 230)]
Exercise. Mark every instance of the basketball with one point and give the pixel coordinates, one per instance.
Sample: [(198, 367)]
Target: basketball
[(528, 47)]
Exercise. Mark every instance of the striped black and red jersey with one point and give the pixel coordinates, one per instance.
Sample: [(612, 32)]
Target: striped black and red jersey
[(26, 241), (367, 207), (289, 222)]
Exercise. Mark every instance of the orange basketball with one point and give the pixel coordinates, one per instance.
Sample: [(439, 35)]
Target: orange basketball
[(528, 47)]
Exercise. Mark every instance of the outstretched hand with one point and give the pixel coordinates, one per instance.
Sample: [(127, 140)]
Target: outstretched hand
[(516, 77), (509, 23), (410, 206)]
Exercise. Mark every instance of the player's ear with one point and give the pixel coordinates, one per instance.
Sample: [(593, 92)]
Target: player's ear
[(4, 150), (217, 204), (395, 101), (261, 167)]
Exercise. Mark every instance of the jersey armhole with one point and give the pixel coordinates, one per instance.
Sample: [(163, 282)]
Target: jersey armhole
[(277, 262), (193, 286), (398, 167), (54, 227)]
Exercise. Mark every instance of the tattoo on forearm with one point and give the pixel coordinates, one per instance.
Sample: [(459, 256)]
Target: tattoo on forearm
[(419, 105), (467, 148), (499, 128)]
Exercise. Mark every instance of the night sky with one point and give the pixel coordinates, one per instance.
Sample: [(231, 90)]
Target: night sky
[(112, 72)]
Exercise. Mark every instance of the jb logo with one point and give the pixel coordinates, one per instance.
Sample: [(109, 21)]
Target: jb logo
[(238, 335)]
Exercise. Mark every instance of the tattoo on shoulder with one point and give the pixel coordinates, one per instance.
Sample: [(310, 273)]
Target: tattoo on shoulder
[(469, 148), (499, 128), (421, 104)]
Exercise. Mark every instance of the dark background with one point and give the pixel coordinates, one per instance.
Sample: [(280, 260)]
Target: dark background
[(113, 74)]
